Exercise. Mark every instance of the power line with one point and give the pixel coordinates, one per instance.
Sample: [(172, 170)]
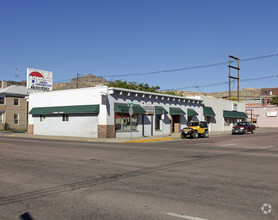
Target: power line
[(192, 67), (184, 68), (222, 83)]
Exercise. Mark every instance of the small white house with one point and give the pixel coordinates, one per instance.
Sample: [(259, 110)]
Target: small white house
[(103, 112)]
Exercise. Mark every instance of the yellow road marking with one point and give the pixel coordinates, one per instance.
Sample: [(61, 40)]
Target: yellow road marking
[(5, 144), (158, 139)]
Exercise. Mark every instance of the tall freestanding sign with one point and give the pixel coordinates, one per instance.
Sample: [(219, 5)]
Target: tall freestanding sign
[(39, 79)]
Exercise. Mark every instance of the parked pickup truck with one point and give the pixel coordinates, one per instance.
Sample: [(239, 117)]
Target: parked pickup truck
[(243, 128)]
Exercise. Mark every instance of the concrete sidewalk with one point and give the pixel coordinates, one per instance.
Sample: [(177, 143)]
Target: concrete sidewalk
[(169, 137)]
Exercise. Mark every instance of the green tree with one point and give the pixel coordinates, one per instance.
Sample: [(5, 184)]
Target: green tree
[(233, 98), (274, 101), (133, 85)]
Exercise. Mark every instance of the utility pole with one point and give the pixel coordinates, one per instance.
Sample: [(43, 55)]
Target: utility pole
[(251, 114), (77, 75), (232, 77)]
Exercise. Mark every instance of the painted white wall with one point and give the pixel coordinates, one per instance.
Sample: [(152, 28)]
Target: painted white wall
[(84, 96), (143, 99), (78, 126), (218, 105), (88, 126)]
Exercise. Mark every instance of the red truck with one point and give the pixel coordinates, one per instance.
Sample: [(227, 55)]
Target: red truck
[(243, 128)]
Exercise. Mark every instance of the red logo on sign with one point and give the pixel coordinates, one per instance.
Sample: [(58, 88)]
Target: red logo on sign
[(36, 74)]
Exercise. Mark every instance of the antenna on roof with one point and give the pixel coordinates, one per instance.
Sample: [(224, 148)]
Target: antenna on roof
[(16, 75)]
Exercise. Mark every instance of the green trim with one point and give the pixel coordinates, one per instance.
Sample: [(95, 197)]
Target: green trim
[(124, 108), (234, 114), (160, 110), (76, 109), (191, 112), (176, 111), (208, 111)]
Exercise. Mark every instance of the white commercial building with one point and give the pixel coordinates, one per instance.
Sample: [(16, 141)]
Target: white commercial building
[(103, 112), (222, 114)]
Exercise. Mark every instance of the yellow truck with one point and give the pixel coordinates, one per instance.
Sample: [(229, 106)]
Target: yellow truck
[(195, 129)]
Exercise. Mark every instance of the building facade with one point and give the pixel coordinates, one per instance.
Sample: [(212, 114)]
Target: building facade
[(103, 112), (266, 95), (263, 116), (220, 114), (13, 108)]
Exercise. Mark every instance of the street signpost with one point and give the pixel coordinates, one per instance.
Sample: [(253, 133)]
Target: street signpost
[(130, 111)]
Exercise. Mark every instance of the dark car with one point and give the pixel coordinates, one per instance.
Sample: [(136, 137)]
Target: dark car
[(243, 128)]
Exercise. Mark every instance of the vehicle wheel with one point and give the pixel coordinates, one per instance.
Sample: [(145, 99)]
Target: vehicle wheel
[(195, 134), (252, 131), (206, 134), (183, 136), (244, 132)]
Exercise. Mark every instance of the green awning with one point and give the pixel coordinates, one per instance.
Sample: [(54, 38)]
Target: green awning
[(160, 110), (124, 108), (191, 112), (176, 111), (234, 114), (208, 111), (76, 109)]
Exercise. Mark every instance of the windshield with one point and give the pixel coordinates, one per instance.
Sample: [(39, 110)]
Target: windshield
[(193, 124), (242, 123)]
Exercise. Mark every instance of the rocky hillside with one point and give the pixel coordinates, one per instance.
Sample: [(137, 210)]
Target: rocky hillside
[(83, 81), (247, 93)]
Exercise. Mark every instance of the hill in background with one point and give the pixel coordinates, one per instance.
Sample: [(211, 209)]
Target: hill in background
[(91, 81), (244, 94), (83, 82)]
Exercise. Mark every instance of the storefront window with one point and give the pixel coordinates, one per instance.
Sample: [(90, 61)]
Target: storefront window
[(226, 122), (122, 122), (157, 121)]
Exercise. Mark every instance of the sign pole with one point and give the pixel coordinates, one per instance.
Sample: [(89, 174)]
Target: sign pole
[(163, 123), (130, 114)]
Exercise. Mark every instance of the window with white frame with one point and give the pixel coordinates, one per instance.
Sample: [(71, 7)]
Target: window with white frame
[(1, 117), (16, 101), (16, 119), (270, 92), (2, 100), (265, 92)]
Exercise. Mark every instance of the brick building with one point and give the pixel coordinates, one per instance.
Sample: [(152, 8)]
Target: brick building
[(266, 95), (13, 107)]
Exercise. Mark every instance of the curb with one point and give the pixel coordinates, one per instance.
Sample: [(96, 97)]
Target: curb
[(158, 139)]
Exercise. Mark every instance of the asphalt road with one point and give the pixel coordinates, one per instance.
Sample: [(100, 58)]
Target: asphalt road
[(227, 177)]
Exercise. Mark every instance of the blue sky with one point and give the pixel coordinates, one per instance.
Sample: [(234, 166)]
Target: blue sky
[(137, 36)]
